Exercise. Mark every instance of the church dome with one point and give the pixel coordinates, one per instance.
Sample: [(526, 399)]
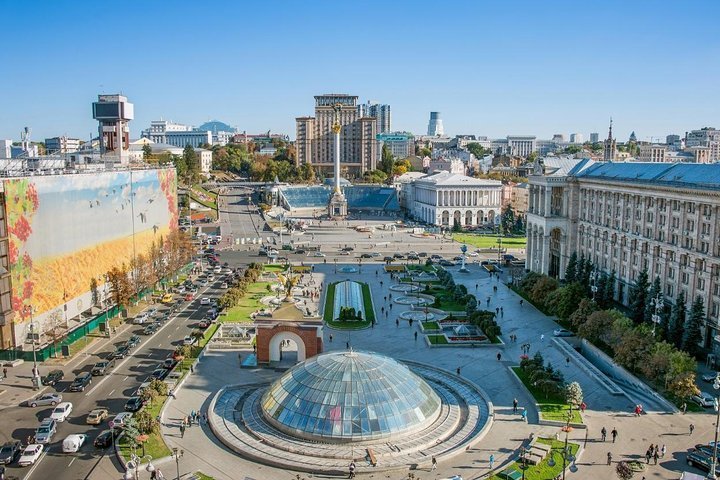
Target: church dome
[(350, 396)]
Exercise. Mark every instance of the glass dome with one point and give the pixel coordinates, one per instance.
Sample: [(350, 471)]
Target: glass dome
[(350, 396)]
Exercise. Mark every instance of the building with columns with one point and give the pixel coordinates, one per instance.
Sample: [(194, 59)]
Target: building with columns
[(443, 198), (626, 217)]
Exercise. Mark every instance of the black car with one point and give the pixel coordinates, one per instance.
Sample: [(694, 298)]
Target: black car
[(300, 251), (348, 249), (169, 363), (80, 382), (699, 460), (53, 377), (100, 368), (134, 404), (133, 341), (365, 255), (398, 255), (388, 259), (413, 257), (151, 328), (106, 438), (120, 352), (160, 372), (10, 451), (422, 254)]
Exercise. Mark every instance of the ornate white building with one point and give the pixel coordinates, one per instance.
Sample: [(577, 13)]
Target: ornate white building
[(443, 198), (627, 217)]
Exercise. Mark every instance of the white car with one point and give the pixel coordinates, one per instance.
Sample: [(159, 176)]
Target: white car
[(188, 340), (204, 301), (703, 399), (272, 253), (203, 283), (72, 443), (120, 419), (61, 412), (317, 254), (217, 269), (472, 254), (30, 455), (141, 318), (224, 285)]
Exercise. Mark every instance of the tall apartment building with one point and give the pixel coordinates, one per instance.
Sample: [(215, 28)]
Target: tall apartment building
[(435, 125), (577, 138), (594, 137), (705, 137), (358, 144), (652, 152), (378, 111), (401, 144), (626, 217), (177, 134)]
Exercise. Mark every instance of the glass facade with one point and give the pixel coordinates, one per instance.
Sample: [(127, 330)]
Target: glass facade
[(350, 396)]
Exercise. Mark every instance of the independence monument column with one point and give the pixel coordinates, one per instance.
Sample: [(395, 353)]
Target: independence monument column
[(338, 204)]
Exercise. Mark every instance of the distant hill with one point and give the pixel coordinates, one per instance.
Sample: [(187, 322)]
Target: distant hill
[(216, 126)]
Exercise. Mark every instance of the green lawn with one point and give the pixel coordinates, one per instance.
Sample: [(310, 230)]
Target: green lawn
[(552, 407), (543, 471), (421, 268), (202, 476), (356, 325), (274, 268), (210, 204), (489, 241), (447, 302), (155, 446), (431, 325), (250, 302), (437, 339)]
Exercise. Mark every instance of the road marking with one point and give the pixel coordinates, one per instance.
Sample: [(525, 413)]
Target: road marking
[(37, 462), (71, 461), (125, 378), (111, 392)]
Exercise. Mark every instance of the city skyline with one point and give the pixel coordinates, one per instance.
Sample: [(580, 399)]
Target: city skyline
[(494, 70)]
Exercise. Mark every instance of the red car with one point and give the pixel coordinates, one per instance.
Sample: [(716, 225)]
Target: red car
[(189, 296)]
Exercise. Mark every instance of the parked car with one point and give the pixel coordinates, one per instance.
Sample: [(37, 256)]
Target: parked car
[(317, 254), (133, 404), (73, 442), (561, 332), (46, 430), (388, 259), (45, 399), (167, 298), (53, 377), (180, 289), (189, 297), (699, 460), (188, 340), (204, 301), (80, 382), (169, 363), (10, 451), (710, 377), (703, 399), (141, 318), (413, 257), (224, 285), (204, 323), (300, 251), (133, 341), (96, 416), (30, 455), (120, 352), (61, 411), (150, 328), (141, 388), (100, 368), (106, 437), (120, 419), (447, 263), (422, 254), (159, 373)]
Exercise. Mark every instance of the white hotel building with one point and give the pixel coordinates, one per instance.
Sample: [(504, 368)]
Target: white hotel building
[(443, 198)]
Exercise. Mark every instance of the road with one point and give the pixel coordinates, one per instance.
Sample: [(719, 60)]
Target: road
[(110, 391)]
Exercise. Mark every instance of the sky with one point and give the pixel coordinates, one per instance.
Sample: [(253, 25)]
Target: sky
[(491, 68)]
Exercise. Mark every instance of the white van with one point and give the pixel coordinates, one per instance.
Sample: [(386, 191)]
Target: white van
[(72, 443)]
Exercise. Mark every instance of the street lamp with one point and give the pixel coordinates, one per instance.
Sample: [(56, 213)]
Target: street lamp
[(658, 304), (523, 461), (27, 309), (177, 455), (716, 386)]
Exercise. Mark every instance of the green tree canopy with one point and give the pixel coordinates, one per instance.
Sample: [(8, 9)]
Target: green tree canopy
[(638, 295), (677, 320), (693, 329)]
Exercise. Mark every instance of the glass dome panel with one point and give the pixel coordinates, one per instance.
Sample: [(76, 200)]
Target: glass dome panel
[(350, 396)]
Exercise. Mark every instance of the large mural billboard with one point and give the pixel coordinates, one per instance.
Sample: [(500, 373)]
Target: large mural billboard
[(65, 230)]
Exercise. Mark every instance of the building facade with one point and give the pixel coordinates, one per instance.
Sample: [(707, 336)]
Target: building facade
[(177, 134), (445, 198), (653, 153), (521, 145), (435, 125), (628, 217), (594, 137), (378, 111), (358, 143), (62, 145), (401, 144), (705, 137)]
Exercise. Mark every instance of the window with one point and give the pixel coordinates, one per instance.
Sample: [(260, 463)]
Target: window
[(671, 272), (669, 290), (685, 278), (701, 284)]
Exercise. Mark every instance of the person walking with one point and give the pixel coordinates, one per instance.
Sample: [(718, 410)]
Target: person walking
[(351, 468), (521, 302), (515, 405), (692, 428), (609, 458), (502, 312), (458, 370), (524, 415), (491, 460), (656, 455), (583, 406), (487, 302), (4, 372), (663, 450), (542, 337), (416, 336), (648, 456), (182, 430), (434, 464), (397, 323), (499, 356), (330, 338), (567, 361), (603, 434), (614, 434), (683, 407)]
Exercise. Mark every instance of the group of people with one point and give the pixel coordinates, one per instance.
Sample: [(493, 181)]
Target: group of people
[(613, 433), (654, 452)]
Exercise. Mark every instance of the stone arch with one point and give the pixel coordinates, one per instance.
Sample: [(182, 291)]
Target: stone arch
[(480, 217), (556, 238), (445, 217), (468, 218), (457, 217), (491, 216), (275, 340)]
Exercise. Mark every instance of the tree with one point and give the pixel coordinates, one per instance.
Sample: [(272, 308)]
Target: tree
[(683, 386), (159, 386), (581, 314), (386, 160), (507, 220), (565, 300), (573, 394), (677, 320), (596, 325), (94, 294), (147, 152), (120, 288), (542, 288), (638, 294), (609, 293), (478, 150), (633, 348), (146, 423), (693, 329), (571, 269), (148, 395), (655, 292)]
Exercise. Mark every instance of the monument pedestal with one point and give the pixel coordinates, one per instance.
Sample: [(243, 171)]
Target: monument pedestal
[(337, 208)]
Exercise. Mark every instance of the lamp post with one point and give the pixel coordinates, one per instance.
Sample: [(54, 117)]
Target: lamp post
[(566, 455), (335, 260), (593, 286), (27, 309), (523, 461), (135, 462), (713, 467), (177, 455), (658, 304)]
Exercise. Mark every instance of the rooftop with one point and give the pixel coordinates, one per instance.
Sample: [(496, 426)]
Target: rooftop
[(453, 179), (695, 175)]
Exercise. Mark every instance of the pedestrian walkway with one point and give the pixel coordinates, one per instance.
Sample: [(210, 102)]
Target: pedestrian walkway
[(219, 368)]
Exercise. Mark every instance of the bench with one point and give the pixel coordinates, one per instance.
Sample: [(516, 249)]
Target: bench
[(371, 457)]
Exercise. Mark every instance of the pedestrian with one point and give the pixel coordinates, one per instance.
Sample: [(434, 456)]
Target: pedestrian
[(182, 430), (502, 312), (458, 370), (4, 372), (192, 370), (391, 306), (494, 288), (609, 458), (492, 461), (603, 434), (663, 450), (499, 356), (476, 286), (189, 421), (410, 322), (614, 434), (347, 345), (692, 428), (330, 338), (487, 301), (416, 336), (515, 405), (521, 302), (351, 468), (434, 464), (497, 311), (583, 406), (542, 337), (524, 415), (567, 361), (171, 393), (656, 455), (397, 323), (382, 309), (160, 475), (153, 475), (684, 408), (648, 456)]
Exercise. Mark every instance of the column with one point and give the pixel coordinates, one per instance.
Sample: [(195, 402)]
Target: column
[(563, 261), (529, 249), (548, 195), (545, 260)]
